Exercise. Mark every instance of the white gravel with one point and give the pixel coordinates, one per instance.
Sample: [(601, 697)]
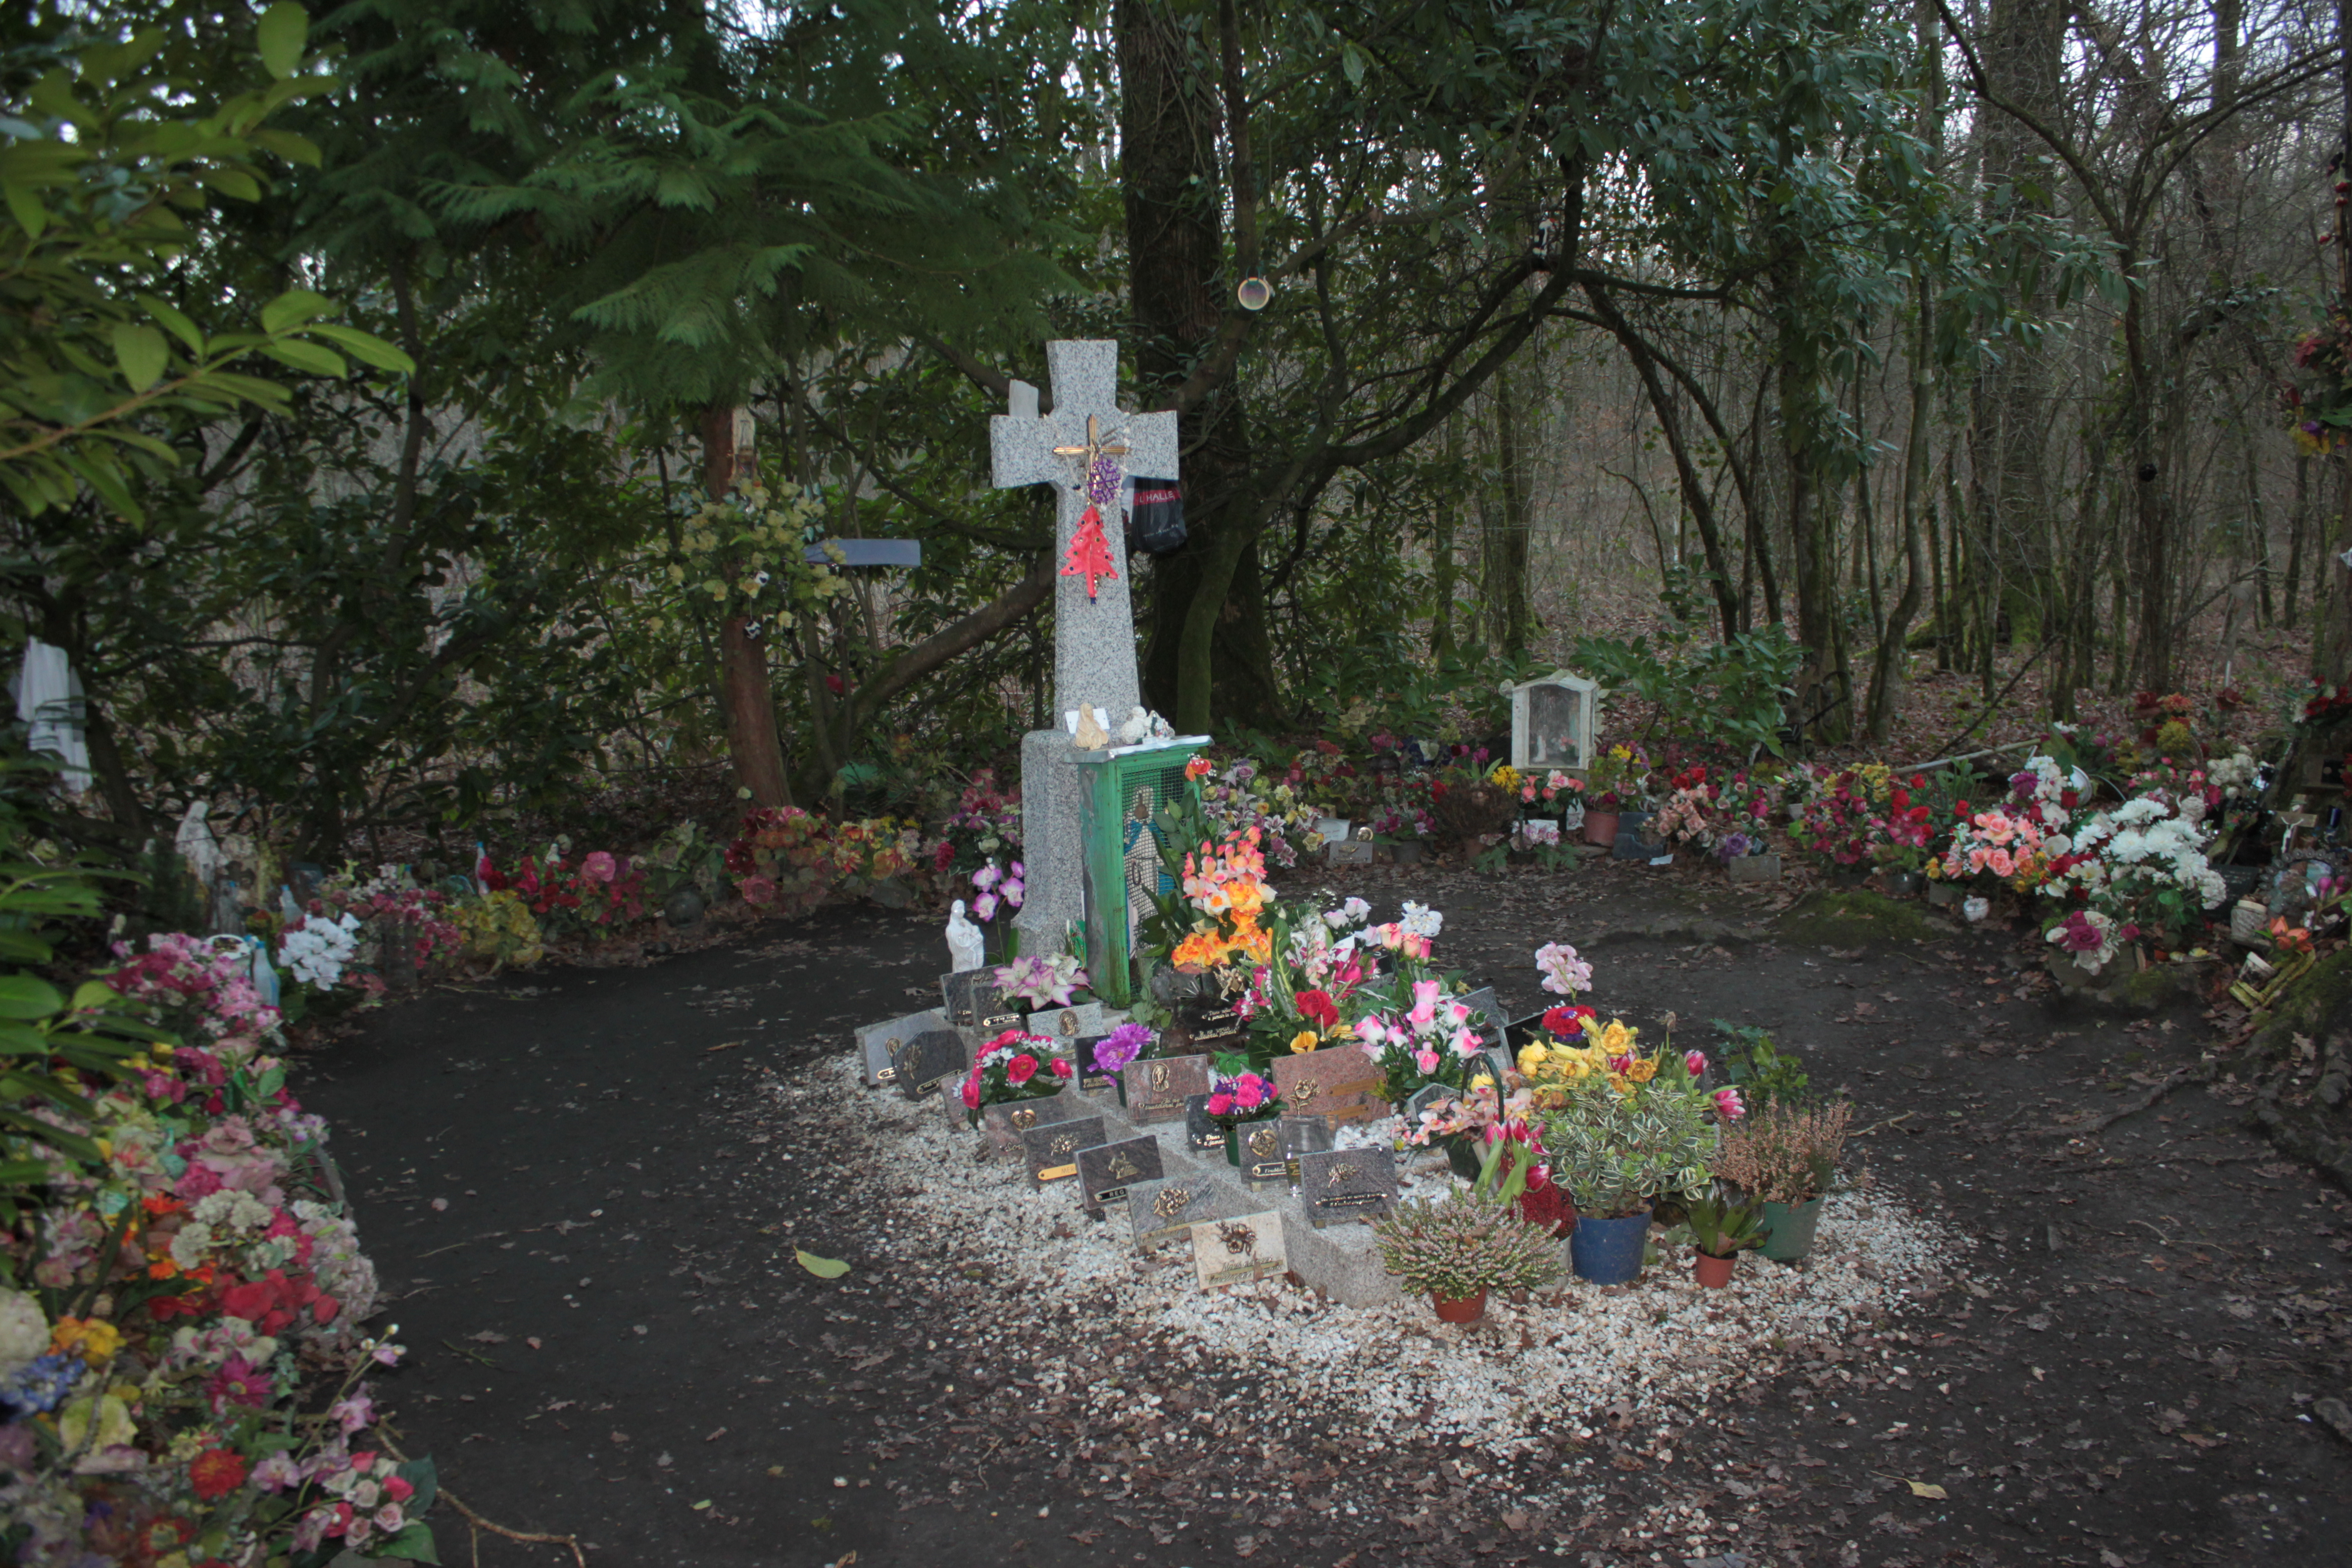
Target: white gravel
[(1564, 1363)]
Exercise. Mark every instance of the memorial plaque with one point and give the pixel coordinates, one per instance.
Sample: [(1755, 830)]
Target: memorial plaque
[(878, 1045), (1350, 852), (1091, 1073), (1483, 1001), (1050, 1153), (1158, 1087), (1339, 1085), (1004, 1123), (1107, 1171), (931, 1057), (1238, 1248), (974, 1002), (1068, 1023), (1167, 1209), (1212, 1024), (1339, 1186), (1202, 1133), (1261, 1146)]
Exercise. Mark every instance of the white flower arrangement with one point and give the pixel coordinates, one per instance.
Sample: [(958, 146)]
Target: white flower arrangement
[(317, 951)]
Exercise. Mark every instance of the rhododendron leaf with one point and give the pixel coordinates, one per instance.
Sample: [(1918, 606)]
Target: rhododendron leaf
[(23, 996), (823, 1268)]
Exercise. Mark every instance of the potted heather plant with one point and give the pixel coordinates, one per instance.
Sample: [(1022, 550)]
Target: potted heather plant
[(1457, 1249), (1721, 1229), (1785, 1157)]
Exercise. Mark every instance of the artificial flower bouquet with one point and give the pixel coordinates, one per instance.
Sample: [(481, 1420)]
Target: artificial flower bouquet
[(1014, 1065), (998, 889), (1242, 1098), (1615, 782), (2091, 937), (1837, 820), (1037, 981), (1550, 792), (2142, 863), (1426, 1038), (1905, 834)]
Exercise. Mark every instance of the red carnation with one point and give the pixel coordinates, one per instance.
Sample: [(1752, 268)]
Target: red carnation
[(217, 1473)]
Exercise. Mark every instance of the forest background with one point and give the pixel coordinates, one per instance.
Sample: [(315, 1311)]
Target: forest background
[(1986, 361)]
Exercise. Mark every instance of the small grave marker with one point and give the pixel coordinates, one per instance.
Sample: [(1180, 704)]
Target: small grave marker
[(878, 1045), (930, 1058), (1107, 1171), (1261, 1148), (1200, 1131), (1238, 1248), (1164, 1210), (1007, 1123), (1158, 1087), (1339, 1085), (1337, 1186), (1050, 1153)]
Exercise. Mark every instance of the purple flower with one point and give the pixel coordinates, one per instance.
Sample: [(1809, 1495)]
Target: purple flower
[(1122, 1046)]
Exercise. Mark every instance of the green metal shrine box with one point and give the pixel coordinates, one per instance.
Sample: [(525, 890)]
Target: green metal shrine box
[(1125, 788)]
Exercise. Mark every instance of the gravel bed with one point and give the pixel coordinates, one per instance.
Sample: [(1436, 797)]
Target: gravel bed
[(1563, 1363)]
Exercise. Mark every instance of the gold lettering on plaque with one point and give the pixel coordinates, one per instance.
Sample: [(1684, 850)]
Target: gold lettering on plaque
[(1171, 1202), (1024, 1119), (1123, 1169), (1262, 1141)]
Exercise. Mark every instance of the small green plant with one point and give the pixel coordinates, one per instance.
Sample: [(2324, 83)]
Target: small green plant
[(1456, 1246), (1762, 1075), (1721, 1227)]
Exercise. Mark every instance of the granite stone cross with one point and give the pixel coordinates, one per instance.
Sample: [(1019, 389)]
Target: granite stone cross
[(1094, 637), (1094, 633)]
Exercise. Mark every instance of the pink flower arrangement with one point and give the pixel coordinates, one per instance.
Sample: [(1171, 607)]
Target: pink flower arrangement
[(1246, 1096)]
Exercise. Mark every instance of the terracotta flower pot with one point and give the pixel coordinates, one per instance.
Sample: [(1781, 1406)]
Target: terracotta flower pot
[(1468, 1309), (1601, 828), (1713, 1272)]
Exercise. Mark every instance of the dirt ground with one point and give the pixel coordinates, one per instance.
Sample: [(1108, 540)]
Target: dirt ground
[(585, 1201)]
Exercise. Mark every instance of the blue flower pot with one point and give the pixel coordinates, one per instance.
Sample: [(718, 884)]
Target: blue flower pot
[(1609, 1251)]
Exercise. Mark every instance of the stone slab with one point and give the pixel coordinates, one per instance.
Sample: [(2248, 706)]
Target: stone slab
[(1049, 1154), (1107, 1171), (1165, 1210), (878, 1045), (1158, 1087), (1239, 1249), (1005, 1122)]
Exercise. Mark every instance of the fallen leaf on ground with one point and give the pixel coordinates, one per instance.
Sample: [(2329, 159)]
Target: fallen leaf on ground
[(823, 1268), (1921, 1488)]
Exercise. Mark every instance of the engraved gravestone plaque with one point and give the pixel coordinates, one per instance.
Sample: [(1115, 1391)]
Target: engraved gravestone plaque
[(930, 1058), (1167, 1209), (878, 1045), (1339, 1085), (1201, 1133), (1238, 1248), (1260, 1143), (1108, 1171), (1050, 1153), (1340, 1185), (1158, 1087), (1006, 1123)]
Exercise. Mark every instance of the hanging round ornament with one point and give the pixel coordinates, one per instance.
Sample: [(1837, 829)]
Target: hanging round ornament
[(1254, 293)]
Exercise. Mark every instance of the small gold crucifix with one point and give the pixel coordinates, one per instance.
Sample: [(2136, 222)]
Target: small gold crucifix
[(1093, 447)]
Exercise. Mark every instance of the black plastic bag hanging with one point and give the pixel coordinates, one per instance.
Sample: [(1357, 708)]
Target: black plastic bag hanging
[(1156, 525)]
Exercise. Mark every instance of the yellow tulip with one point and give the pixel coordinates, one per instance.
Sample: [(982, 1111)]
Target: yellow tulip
[(1304, 1041)]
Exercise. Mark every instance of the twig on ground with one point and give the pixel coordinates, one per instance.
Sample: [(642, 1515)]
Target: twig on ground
[(1889, 1122), (2200, 1072), (443, 1494)]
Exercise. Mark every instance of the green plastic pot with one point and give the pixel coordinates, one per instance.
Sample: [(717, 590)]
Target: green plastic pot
[(1791, 1227)]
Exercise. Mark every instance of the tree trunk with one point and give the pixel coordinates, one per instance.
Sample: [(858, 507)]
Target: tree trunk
[(1825, 688), (1208, 654), (745, 698), (2332, 648)]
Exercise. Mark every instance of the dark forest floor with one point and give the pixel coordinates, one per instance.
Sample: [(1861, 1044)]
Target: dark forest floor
[(583, 1192)]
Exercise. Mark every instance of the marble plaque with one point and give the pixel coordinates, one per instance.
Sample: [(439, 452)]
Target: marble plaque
[(1050, 1152), (1107, 1171), (1350, 852), (878, 1045), (1167, 1209), (1337, 1186), (1068, 1023), (1006, 1123), (1339, 1085), (1212, 1024), (1261, 1146), (1158, 1087), (1202, 1133), (930, 1058), (1238, 1248), (974, 1002)]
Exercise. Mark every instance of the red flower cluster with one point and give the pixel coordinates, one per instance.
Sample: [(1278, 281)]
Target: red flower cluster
[(270, 1302), (1317, 1008)]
